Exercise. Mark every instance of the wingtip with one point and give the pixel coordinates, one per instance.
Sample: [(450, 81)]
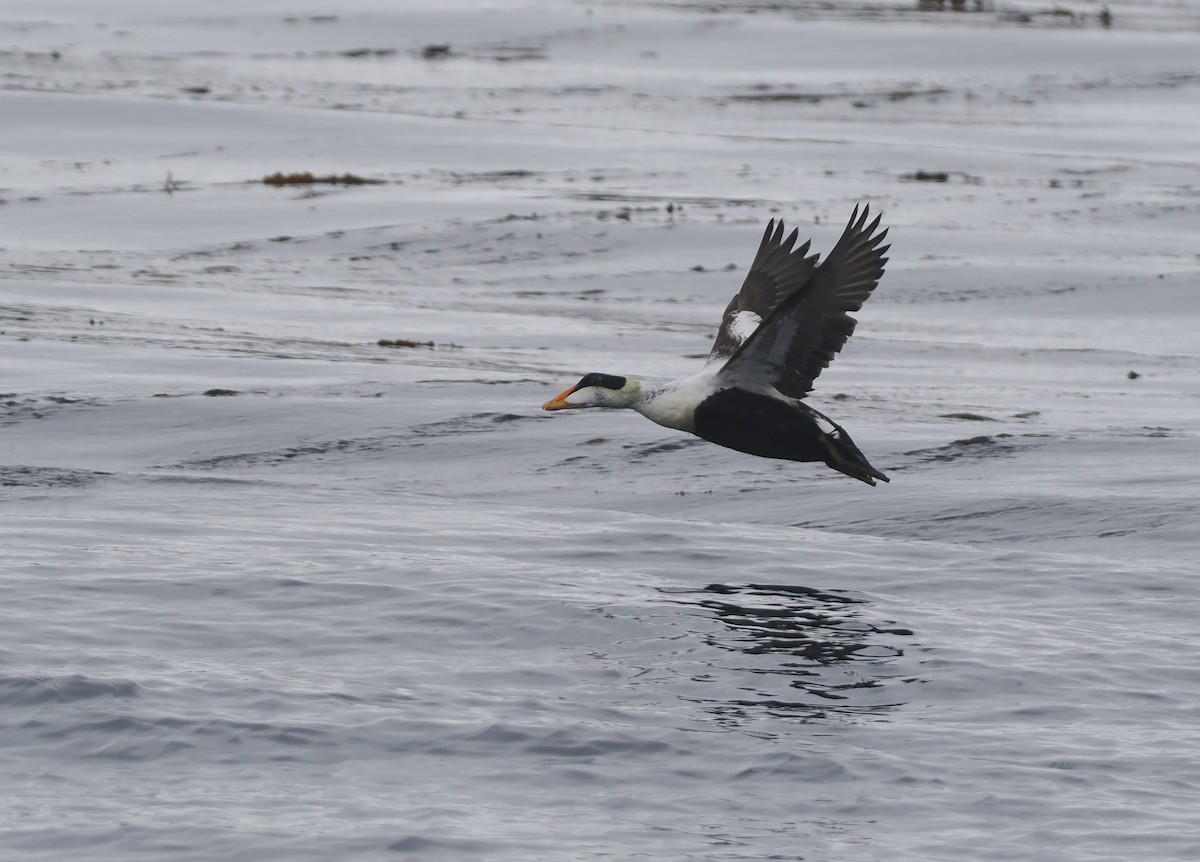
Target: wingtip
[(861, 213), (791, 239), (858, 223)]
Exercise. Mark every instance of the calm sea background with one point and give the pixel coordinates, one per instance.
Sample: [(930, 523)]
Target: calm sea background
[(273, 590)]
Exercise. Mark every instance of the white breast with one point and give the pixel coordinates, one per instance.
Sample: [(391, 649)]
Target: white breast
[(675, 404)]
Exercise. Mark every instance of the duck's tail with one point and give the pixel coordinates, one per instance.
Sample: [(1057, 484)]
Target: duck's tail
[(845, 457)]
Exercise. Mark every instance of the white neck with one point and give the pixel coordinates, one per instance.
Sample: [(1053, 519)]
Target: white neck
[(674, 405)]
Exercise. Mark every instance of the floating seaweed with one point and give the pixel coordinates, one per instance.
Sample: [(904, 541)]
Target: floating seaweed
[(306, 178)]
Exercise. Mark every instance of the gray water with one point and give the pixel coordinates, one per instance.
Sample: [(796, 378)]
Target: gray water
[(271, 590)]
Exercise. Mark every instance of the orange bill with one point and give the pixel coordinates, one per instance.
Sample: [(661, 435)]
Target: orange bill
[(559, 401)]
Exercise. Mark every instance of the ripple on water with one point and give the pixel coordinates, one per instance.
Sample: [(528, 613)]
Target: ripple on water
[(811, 654), (147, 737), (68, 688)]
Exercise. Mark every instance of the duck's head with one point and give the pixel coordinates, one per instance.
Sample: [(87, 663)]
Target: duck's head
[(598, 390)]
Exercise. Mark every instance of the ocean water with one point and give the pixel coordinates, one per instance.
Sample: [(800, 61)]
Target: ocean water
[(270, 589)]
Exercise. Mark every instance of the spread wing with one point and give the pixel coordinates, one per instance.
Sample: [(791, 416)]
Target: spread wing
[(777, 272), (804, 332)]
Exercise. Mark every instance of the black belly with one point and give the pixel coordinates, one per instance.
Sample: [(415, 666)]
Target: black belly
[(760, 425)]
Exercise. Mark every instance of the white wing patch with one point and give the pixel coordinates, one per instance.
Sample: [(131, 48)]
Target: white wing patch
[(743, 324)]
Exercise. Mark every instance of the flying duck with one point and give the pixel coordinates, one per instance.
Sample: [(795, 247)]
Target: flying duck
[(778, 333)]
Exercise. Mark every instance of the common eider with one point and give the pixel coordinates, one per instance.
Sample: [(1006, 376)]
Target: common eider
[(778, 333)]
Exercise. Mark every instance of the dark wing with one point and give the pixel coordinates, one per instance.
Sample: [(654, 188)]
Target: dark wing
[(775, 274), (805, 331)]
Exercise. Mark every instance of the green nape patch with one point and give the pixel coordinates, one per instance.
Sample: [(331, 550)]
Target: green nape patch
[(306, 178)]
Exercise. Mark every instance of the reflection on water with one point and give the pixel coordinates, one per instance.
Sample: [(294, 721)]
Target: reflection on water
[(812, 652)]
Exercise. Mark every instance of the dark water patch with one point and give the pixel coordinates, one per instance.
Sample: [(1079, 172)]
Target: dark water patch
[(15, 408), (927, 176), (188, 479), (800, 767), (923, 176), (1055, 521), (579, 743), (301, 593), (904, 93), (478, 381), (24, 476), (983, 446), (513, 53), (141, 737), (572, 744), (642, 451), (289, 454), (674, 203), (588, 462), (950, 6), (356, 53), (812, 653), (776, 96), (815, 624), (70, 326), (474, 423), (234, 731), (968, 417), (461, 177), (425, 847), (589, 294), (37, 690), (766, 94), (989, 513)]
